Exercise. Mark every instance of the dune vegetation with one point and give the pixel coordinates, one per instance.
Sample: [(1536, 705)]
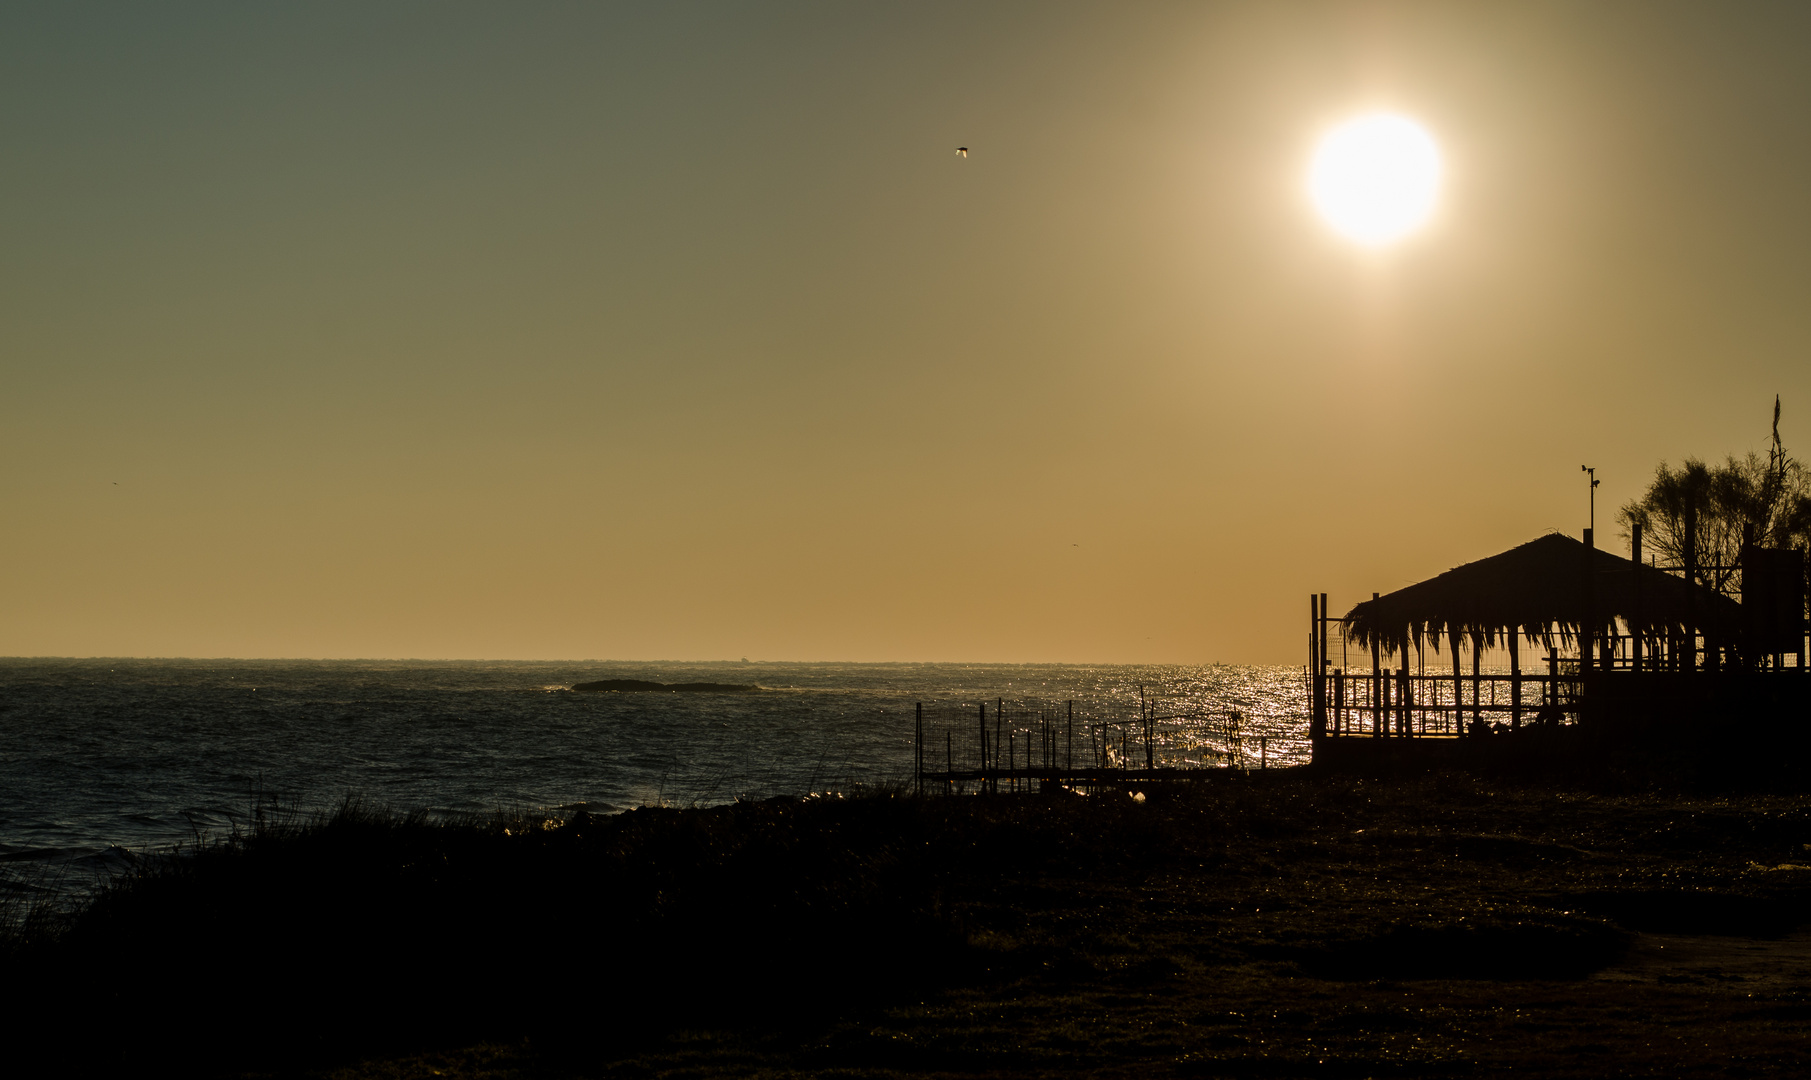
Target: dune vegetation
[(1266, 924)]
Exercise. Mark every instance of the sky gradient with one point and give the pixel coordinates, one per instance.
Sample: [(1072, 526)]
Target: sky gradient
[(680, 332)]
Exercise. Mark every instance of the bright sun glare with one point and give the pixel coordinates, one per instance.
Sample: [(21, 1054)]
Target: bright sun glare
[(1375, 178)]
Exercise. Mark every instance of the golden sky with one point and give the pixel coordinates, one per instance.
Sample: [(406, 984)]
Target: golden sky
[(680, 331)]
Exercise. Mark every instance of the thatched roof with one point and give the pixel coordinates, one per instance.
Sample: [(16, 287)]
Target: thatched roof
[(1538, 590)]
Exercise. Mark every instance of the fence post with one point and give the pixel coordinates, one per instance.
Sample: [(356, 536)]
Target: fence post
[(1000, 718), (984, 746), (1150, 732), (918, 754)]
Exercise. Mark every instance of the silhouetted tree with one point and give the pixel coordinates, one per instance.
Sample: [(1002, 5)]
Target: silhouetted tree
[(1715, 506)]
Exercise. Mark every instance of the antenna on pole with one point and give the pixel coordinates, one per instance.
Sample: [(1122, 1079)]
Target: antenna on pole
[(1594, 482)]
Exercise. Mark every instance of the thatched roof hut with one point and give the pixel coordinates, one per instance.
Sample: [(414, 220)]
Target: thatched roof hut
[(1538, 590)]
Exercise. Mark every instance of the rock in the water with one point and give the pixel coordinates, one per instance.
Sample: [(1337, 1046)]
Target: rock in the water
[(642, 686)]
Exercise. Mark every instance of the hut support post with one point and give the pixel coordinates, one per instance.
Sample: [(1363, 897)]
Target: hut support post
[(1800, 617), (1386, 682), (1637, 621), (1458, 713), (1477, 679), (1376, 687), (1690, 659), (1418, 721), (1375, 704), (1405, 699), (1515, 678)]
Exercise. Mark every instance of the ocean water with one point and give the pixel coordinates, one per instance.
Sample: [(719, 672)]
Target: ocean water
[(104, 761)]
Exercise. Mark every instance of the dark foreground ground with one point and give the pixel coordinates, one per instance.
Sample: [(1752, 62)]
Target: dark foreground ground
[(1272, 925)]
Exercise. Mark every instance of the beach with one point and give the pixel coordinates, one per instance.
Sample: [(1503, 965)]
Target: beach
[(1273, 924)]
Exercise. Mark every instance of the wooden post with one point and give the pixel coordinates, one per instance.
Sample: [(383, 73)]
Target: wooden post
[(1150, 729), (949, 762), (1477, 678), (1339, 701), (1458, 682), (1799, 617), (918, 752), (1587, 617), (1324, 620), (1405, 699), (1750, 654), (1638, 619), (1690, 658), (1071, 708), (1376, 688), (1553, 679), (1392, 698), (984, 745), (1418, 719), (1320, 671), (1376, 705), (1314, 664), (1515, 677), (1000, 716)]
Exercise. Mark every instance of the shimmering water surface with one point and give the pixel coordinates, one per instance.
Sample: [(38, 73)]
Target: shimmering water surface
[(103, 757)]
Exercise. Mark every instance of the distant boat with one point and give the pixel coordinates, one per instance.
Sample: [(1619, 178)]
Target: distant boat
[(642, 686)]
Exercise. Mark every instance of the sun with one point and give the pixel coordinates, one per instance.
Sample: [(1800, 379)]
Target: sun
[(1376, 178)]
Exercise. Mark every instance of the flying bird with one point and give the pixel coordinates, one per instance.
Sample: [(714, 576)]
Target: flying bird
[(961, 151)]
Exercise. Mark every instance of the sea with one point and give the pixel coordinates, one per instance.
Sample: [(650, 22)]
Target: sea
[(104, 763)]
